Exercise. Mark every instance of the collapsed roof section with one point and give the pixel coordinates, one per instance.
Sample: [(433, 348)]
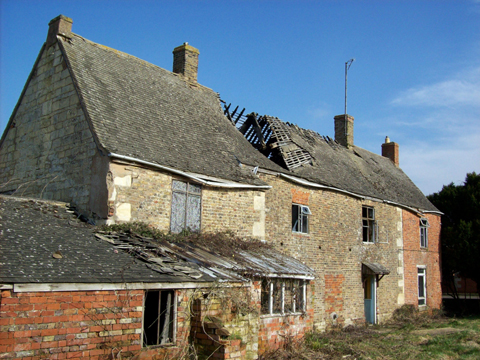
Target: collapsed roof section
[(45, 242), (324, 161)]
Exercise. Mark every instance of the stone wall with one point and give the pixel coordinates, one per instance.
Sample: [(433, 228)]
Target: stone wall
[(334, 248), (237, 310), (48, 150), (140, 194), (82, 324), (415, 256)]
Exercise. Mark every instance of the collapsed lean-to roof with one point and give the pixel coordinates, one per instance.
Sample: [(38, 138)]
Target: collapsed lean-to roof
[(43, 242)]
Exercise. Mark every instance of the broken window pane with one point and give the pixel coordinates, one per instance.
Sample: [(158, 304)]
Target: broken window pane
[(265, 297), (368, 224), (300, 218), (159, 318), (298, 291), (277, 297), (288, 296)]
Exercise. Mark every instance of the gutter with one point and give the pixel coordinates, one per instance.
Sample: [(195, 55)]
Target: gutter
[(308, 183), (228, 185)]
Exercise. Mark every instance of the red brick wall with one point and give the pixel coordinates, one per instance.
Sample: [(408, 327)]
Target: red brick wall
[(415, 256), (78, 325), (334, 293), (275, 330)]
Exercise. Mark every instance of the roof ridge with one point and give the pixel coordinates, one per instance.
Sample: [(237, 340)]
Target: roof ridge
[(142, 61)]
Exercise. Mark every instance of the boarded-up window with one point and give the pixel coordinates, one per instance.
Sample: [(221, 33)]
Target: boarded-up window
[(186, 206)]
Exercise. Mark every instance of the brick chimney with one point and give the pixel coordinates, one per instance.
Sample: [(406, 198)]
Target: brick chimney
[(390, 150), (185, 61), (344, 130), (60, 25)]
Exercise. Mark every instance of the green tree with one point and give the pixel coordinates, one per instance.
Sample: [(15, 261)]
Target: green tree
[(460, 237)]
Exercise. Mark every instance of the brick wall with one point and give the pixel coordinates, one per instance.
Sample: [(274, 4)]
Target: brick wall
[(49, 148), (415, 256), (139, 194), (276, 330), (81, 324), (335, 250), (258, 333)]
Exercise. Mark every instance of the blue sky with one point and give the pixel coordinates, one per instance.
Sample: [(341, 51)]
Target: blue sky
[(416, 77)]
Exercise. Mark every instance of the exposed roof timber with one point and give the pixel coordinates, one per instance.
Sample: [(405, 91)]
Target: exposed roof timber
[(225, 184)]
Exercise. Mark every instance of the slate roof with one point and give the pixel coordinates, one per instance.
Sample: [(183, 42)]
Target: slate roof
[(322, 160), (140, 110), (32, 231), (45, 242)]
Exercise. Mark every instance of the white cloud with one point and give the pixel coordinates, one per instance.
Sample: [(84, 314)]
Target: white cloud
[(432, 165), (438, 128), (464, 90)]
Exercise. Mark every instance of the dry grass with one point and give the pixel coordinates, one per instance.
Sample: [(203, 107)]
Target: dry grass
[(409, 335)]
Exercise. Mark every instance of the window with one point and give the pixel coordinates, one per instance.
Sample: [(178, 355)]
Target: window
[(369, 224), (422, 286), (159, 318), (186, 206), (300, 218), (283, 296), (424, 225)]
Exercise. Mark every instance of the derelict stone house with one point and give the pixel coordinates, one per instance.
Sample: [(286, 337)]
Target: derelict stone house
[(124, 140)]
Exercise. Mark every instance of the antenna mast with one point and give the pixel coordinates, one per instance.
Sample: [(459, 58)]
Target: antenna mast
[(347, 66)]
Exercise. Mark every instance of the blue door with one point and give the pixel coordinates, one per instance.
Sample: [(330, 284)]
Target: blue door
[(370, 298)]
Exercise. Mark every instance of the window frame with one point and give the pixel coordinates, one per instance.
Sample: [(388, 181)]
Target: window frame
[(422, 273), (424, 225), (302, 220), (188, 194), (297, 307), (369, 225), (172, 327)]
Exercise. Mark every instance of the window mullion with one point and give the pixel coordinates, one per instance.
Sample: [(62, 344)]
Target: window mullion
[(270, 300)]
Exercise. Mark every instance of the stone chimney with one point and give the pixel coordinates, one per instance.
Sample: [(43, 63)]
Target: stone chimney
[(60, 25), (390, 150), (185, 61), (344, 130)]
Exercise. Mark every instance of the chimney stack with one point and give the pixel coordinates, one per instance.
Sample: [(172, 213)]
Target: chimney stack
[(185, 61), (390, 150), (60, 25), (344, 130)]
